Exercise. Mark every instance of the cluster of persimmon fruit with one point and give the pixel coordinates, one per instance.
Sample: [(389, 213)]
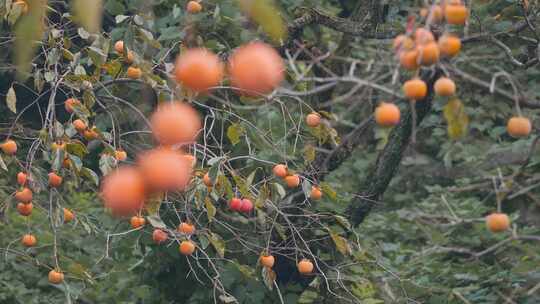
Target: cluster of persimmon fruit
[(253, 69), (24, 197), (419, 47)]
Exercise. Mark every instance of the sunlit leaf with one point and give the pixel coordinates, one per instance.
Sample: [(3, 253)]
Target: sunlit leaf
[(11, 100)]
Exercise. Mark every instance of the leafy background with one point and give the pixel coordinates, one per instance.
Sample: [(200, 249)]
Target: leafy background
[(414, 247)]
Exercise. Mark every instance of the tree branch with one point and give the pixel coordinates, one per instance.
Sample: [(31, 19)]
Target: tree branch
[(390, 157), (346, 26)]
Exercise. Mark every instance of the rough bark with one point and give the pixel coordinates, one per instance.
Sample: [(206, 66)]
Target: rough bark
[(389, 159)]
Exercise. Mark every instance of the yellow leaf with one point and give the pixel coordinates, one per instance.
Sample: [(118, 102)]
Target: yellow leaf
[(89, 14), (457, 119), (234, 132), (266, 14), (342, 245)]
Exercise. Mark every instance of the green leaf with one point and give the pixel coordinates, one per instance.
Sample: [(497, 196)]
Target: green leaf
[(234, 132), (228, 299), (280, 190), (112, 68), (156, 221), (308, 296), (76, 161), (210, 209), (309, 154), (306, 188), (247, 271), (77, 148), (250, 178), (218, 243), (241, 185), (58, 129), (329, 191), (11, 100), (88, 173), (58, 159)]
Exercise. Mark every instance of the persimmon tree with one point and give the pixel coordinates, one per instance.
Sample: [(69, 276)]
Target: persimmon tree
[(269, 152)]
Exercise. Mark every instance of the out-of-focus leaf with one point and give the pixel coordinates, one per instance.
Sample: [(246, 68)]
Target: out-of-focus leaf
[(88, 14), (28, 31), (267, 15), (11, 100), (457, 119)]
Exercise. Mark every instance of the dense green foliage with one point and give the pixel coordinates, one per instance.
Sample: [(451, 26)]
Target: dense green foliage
[(424, 241)]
